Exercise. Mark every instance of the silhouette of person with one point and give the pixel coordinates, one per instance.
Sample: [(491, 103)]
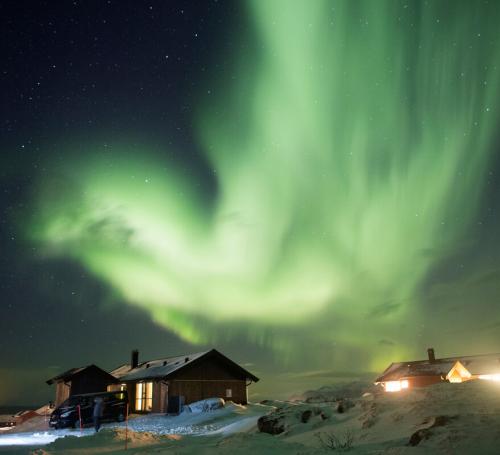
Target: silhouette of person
[(98, 408)]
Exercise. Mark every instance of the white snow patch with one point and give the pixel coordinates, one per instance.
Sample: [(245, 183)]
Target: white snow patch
[(210, 404), (441, 419), (36, 438)]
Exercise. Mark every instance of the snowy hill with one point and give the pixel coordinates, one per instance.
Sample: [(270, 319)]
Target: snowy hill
[(442, 419)]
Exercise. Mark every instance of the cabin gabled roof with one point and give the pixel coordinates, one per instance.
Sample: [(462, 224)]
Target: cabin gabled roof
[(475, 364), (154, 368), (72, 372), (167, 367)]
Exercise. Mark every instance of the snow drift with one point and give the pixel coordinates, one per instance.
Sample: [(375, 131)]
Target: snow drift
[(442, 419)]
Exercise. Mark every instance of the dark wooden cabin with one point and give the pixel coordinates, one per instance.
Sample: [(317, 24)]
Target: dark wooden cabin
[(75, 381), (193, 377)]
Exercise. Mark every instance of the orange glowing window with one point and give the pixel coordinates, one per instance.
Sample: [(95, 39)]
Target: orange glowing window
[(458, 373), (396, 386), (144, 396)]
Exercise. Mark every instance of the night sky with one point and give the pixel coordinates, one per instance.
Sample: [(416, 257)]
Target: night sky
[(309, 187)]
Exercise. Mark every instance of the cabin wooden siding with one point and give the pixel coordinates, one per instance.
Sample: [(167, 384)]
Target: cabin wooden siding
[(78, 385), (131, 395), (62, 392), (193, 390), (424, 381), (209, 377), (89, 382)]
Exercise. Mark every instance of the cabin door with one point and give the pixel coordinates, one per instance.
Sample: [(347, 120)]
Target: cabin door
[(163, 397)]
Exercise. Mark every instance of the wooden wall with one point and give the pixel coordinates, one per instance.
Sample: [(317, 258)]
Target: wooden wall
[(62, 392), (209, 377), (89, 382), (195, 390), (424, 381)]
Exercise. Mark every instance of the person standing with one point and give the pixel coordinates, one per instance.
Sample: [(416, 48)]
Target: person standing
[(98, 408)]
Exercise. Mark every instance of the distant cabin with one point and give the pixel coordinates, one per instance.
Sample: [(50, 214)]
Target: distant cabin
[(75, 381), (155, 385), (422, 373)]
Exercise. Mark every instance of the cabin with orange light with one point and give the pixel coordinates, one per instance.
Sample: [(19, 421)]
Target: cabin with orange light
[(422, 373), (164, 385)]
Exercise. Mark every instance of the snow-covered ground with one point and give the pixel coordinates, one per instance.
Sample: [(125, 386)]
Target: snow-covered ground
[(441, 419), (228, 419)]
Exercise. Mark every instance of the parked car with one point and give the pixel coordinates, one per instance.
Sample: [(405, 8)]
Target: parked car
[(67, 414)]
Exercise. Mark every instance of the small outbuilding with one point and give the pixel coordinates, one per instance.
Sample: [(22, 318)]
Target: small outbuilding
[(421, 373), (157, 385), (75, 381)]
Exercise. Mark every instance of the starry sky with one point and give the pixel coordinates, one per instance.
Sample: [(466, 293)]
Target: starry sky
[(310, 187)]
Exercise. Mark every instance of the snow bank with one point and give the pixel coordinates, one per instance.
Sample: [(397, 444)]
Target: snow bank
[(441, 419), (444, 418), (210, 404), (198, 423), (32, 439)]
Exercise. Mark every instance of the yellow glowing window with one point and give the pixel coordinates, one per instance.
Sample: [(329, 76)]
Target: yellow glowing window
[(115, 387), (138, 396), (396, 386), (144, 396), (458, 373)]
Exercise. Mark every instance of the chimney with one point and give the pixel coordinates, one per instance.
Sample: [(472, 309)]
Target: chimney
[(430, 353), (134, 359)]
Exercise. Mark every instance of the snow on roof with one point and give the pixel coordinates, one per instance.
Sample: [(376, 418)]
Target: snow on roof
[(67, 374), (118, 372), (74, 371), (164, 367), (475, 364), (155, 368)]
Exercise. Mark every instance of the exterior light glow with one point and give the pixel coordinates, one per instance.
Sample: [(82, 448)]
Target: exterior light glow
[(490, 377)]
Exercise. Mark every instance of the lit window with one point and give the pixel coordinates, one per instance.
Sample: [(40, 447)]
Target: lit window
[(138, 396), (148, 404), (229, 393), (458, 373), (396, 386), (144, 396)]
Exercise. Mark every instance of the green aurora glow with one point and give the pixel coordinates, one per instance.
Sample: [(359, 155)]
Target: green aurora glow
[(348, 156)]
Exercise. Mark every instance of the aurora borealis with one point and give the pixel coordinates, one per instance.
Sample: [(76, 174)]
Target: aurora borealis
[(341, 162)]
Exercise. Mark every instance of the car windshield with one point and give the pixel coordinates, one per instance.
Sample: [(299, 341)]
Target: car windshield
[(71, 401)]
